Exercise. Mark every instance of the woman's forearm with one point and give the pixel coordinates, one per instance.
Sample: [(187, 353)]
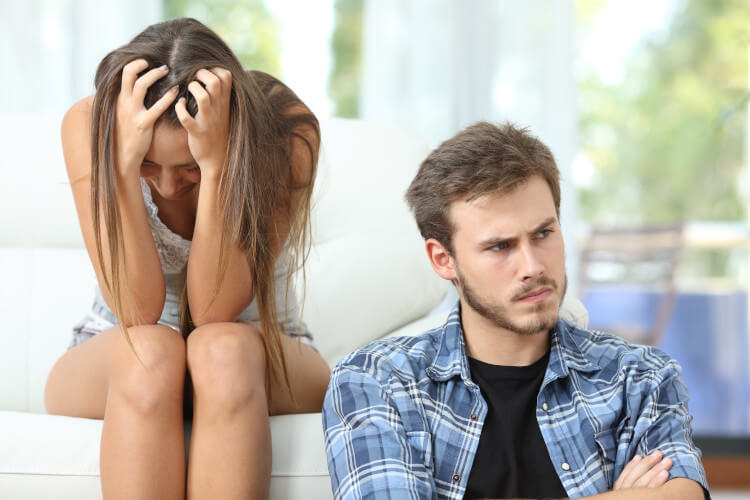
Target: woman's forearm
[(236, 290), (141, 280)]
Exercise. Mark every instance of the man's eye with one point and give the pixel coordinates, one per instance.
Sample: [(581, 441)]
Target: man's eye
[(499, 246), (543, 234)]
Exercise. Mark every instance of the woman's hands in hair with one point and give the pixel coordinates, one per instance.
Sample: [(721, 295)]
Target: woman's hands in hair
[(134, 127), (208, 131)]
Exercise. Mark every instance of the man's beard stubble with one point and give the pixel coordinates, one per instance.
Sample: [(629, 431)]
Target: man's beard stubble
[(498, 314)]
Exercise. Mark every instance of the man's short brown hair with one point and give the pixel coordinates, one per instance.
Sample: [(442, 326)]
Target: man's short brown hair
[(483, 158)]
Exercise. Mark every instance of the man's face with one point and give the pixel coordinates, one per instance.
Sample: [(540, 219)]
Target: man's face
[(509, 258)]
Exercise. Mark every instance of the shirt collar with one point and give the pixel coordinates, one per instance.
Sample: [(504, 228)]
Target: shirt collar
[(451, 360), (566, 353)]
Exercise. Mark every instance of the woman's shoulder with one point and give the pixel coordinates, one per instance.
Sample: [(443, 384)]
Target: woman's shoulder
[(75, 137), (78, 114), (75, 122)]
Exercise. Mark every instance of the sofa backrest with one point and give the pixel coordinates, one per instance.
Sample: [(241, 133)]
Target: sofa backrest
[(36, 207), (368, 273)]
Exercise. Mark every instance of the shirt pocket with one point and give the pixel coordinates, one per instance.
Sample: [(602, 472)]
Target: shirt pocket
[(606, 444), (421, 447)]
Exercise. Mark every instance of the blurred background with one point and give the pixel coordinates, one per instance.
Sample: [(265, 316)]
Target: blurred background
[(643, 102)]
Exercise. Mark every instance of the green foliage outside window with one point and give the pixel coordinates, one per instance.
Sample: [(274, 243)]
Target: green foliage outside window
[(247, 26), (253, 33), (346, 44), (667, 141)]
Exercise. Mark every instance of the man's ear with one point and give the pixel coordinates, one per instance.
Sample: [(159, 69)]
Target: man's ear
[(440, 259)]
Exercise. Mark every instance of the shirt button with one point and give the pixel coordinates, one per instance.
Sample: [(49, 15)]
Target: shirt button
[(565, 466), (545, 407), (473, 416), (456, 478)]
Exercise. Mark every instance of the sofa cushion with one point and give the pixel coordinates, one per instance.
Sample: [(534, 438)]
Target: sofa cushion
[(47, 456), (44, 292)]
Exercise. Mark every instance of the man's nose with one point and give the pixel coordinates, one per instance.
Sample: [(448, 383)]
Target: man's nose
[(530, 261)]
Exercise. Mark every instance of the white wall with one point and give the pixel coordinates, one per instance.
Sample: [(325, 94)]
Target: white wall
[(49, 49)]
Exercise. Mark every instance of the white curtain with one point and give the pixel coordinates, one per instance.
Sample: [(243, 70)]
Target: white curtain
[(436, 66), (49, 49)]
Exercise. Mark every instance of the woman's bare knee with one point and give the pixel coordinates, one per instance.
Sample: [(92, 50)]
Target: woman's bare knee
[(150, 374), (227, 365)]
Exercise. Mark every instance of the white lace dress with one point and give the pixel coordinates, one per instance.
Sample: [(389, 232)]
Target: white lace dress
[(173, 252)]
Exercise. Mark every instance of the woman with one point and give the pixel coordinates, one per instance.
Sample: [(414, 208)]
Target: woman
[(192, 181)]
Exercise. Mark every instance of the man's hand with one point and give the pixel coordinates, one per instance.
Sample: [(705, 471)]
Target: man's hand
[(649, 472)]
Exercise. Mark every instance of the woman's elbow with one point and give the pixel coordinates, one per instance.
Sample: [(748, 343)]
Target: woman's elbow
[(214, 314), (146, 312), (144, 316)]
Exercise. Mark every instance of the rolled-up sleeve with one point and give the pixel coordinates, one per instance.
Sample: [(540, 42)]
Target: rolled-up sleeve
[(664, 424), (371, 454)]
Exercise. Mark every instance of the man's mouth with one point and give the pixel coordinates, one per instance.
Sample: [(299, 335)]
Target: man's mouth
[(536, 295)]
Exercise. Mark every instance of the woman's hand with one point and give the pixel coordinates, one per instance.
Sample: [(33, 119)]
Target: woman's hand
[(208, 131), (134, 126)]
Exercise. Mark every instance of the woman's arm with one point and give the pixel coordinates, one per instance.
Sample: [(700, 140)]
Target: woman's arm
[(236, 290), (142, 285), (207, 136)]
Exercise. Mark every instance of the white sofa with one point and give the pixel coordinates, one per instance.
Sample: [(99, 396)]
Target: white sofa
[(367, 277)]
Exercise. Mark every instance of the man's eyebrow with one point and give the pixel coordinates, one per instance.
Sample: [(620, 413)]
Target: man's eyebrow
[(497, 240), (547, 222)]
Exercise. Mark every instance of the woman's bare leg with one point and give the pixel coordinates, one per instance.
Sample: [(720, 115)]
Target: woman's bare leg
[(143, 444), (230, 443), (230, 448)]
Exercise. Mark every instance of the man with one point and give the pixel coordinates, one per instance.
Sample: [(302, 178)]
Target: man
[(505, 400)]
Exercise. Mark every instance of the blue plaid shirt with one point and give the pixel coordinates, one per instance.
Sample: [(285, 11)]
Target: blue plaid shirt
[(402, 417)]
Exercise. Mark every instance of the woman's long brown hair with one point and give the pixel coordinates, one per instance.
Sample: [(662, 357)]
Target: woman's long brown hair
[(266, 118)]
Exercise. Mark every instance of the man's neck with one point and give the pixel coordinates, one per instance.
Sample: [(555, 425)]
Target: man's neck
[(492, 344)]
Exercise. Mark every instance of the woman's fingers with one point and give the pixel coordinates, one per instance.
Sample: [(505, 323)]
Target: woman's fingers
[(183, 115), (160, 106), (214, 88), (130, 74), (225, 76), (200, 94), (146, 80), (211, 81), (208, 130)]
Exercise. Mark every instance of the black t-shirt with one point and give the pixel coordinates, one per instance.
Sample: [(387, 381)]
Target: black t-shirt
[(512, 460)]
